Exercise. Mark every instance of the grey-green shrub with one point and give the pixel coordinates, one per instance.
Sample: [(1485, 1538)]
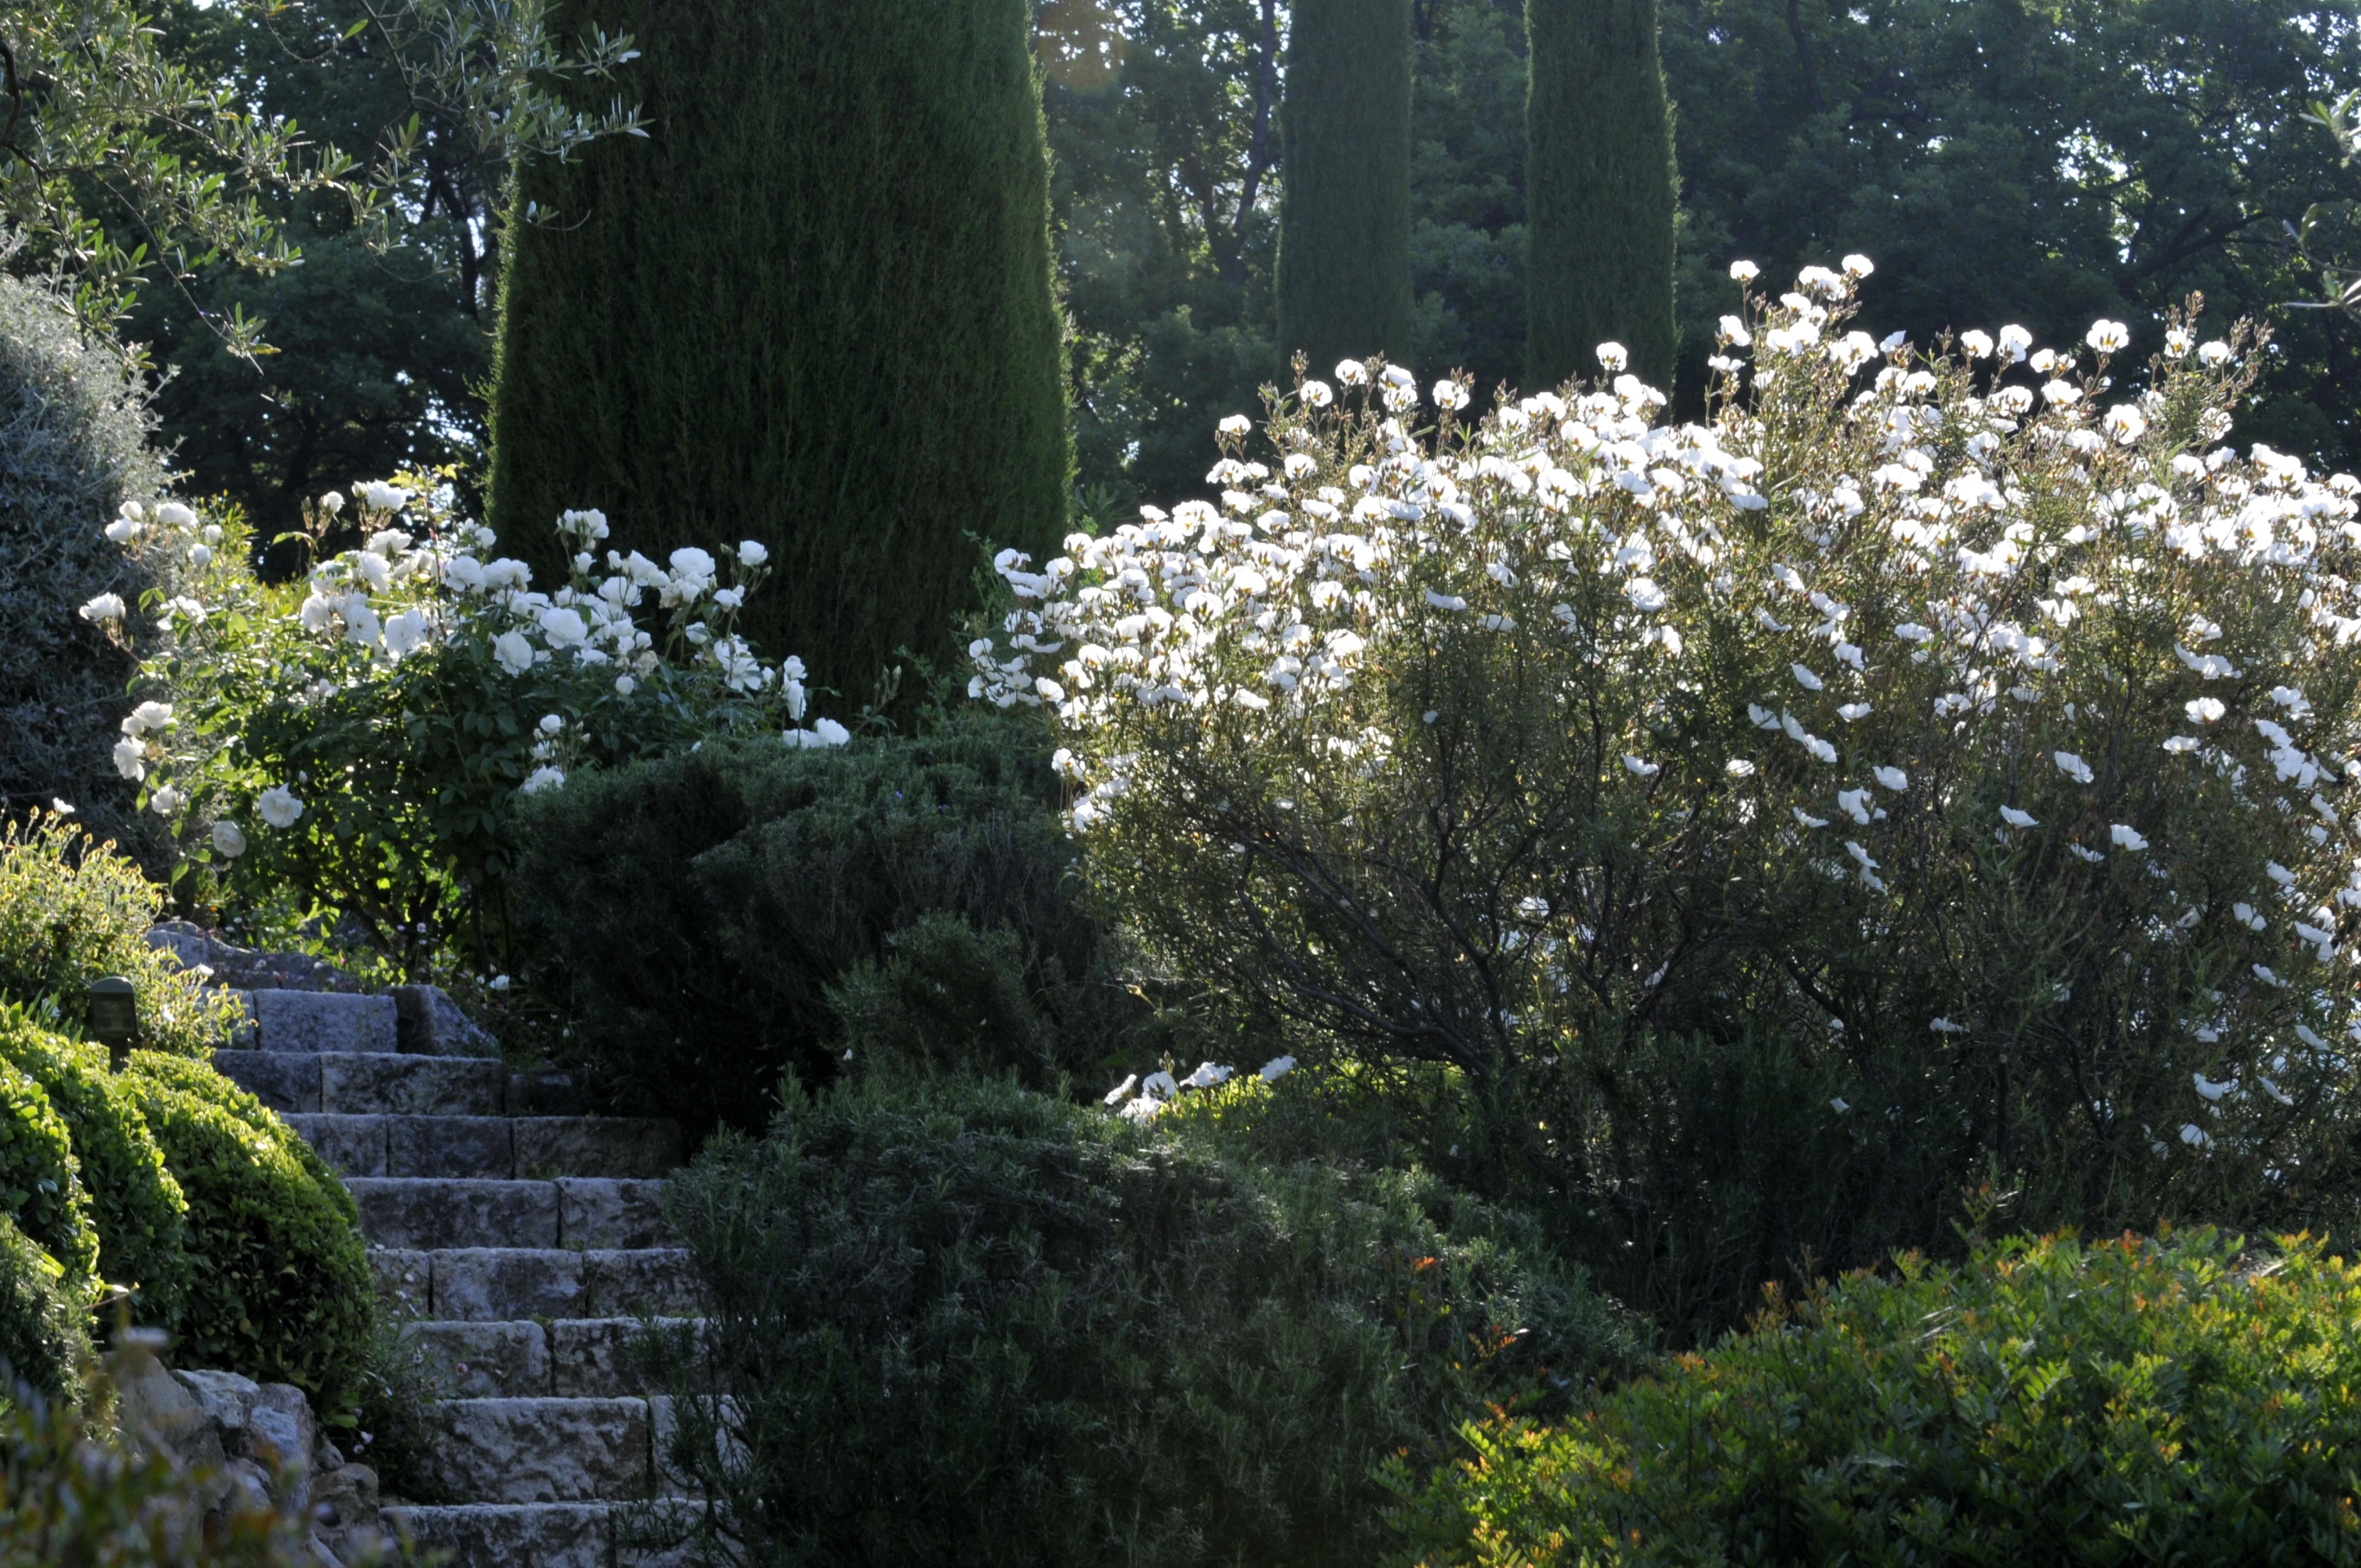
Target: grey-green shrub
[(963, 1323), (44, 1326), (691, 915), (73, 447)]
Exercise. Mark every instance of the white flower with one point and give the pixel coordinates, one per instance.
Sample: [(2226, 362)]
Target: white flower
[(1945, 1027), (501, 982), (551, 724), (1739, 768), (1316, 394), (2107, 336), (406, 633), (625, 685), (1121, 1091), (2062, 393), (2014, 341), (1854, 803), (1745, 271), (1643, 769), (147, 716), (2179, 744), (2213, 355), (543, 777), (104, 608), (1854, 712), (1645, 595), (278, 807), (2195, 1136), (131, 759), (2015, 818), (332, 503), (1159, 1086), (1807, 819), (1858, 266), (1234, 424), (2080, 853), (1911, 631), (1805, 678), (1613, 357), (753, 553), (1978, 344), (122, 531), (2204, 710), (1207, 1076), (2127, 837), (228, 842), (2210, 1090), (380, 496), (172, 514), (167, 801), (1894, 779), (2124, 423), (2072, 766), (513, 652), (2268, 977), (831, 732), (1450, 395), (1352, 373), (1143, 1109), (1276, 1069)]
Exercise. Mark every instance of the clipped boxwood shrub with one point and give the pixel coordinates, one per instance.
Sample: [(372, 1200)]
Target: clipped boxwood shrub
[(279, 1285), (73, 445), (44, 1322), (965, 1322), (141, 1218), (692, 914), (72, 909), (2136, 1400), (40, 1182)]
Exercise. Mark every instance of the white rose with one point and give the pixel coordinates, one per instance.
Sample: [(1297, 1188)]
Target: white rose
[(278, 807), (228, 842), (513, 652)]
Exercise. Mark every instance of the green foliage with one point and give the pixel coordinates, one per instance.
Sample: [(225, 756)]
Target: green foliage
[(2166, 1400), (1156, 1353), (278, 1284), (136, 1207), (73, 442), (72, 910), (44, 1323), (41, 1180), (1343, 281), (816, 303), (1467, 191), (692, 914), (1601, 188)]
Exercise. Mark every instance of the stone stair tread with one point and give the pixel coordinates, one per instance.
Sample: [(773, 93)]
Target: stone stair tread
[(567, 1357), (496, 1284), (369, 1082), (428, 1213), (543, 1449), (503, 1148), (524, 1535), (315, 1021)]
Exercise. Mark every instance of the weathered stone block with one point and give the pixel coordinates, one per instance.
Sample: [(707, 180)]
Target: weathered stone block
[(451, 1145), (596, 1212), (490, 1284), (311, 1022), (429, 1024), (352, 1146), (539, 1451), (496, 1535), (437, 1213), (591, 1357), (640, 1282), (487, 1360), (287, 1084), (404, 1280), (371, 1083), (597, 1146)]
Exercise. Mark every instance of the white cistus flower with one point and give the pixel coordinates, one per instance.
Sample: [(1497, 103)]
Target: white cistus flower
[(2072, 766), (1276, 1069), (1234, 424), (2204, 710), (278, 807), (1645, 769), (229, 843), (2127, 837), (1613, 357), (1122, 1091), (2015, 818), (1209, 1075)]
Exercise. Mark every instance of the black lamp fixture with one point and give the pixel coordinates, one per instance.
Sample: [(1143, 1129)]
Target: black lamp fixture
[(111, 1014)]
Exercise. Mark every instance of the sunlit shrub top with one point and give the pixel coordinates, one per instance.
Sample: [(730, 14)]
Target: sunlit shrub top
[(1953, 705), (2051, 1402)]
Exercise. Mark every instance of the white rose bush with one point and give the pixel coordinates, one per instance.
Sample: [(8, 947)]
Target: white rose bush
[(1935, 769), (360, 736)]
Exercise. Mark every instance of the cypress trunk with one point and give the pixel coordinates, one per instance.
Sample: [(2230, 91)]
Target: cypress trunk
[(1343, 281), (812, 307), (1601, 190)]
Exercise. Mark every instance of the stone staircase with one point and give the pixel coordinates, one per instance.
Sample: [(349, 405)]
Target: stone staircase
[(523, 1245)]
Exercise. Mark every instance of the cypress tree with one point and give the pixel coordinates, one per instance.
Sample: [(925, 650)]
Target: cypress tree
[(1343, 281), (813, 308), (1600, 190)]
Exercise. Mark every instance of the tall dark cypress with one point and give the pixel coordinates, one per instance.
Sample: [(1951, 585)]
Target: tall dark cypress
[(1600, 190), (813, 308), (1343, 281)]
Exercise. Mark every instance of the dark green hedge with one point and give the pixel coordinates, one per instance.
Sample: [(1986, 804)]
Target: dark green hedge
[(40, 1182), (44, 1321), (812, 307), (280, 1285), (1344, 283)]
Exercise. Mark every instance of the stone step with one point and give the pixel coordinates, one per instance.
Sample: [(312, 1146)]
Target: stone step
[(530, 1535), (496, 1147), (370, 1084), (437, 1212), (567, 1358), (311, 1022), (504, 1284), (541, 1449)]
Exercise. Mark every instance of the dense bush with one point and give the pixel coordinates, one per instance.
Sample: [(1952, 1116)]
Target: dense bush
[(44, 1320), (41, 1180), (278, 1285), (960, 1322), (694, 912), (2131, 1400), (73, 446), (136, 1206), (72, 909), (1910, 777), (869, 181)]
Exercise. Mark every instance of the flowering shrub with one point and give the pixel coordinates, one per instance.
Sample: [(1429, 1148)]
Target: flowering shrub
[(1947, 754), (360, 736), (2051, 1402)]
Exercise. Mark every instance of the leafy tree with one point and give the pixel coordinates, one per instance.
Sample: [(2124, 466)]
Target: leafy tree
[(1602, 191), (1343, 258), (1467, 190)]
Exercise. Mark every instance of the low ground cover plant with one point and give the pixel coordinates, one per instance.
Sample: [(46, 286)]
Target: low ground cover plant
[(957, 1321), (2174, 1399), (1938, 763)]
